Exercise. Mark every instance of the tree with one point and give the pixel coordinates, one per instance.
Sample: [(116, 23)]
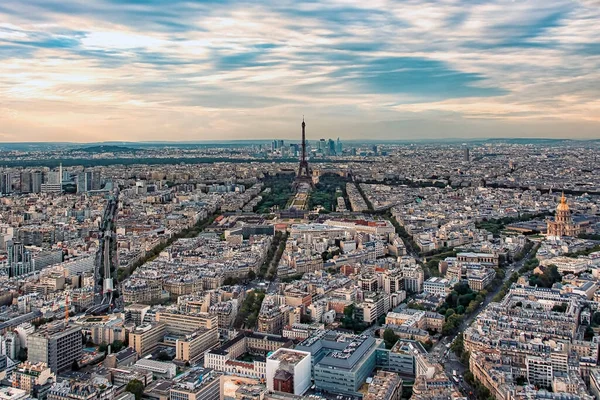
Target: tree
[(589, 333), (596, 318), (22, 356), (251, 275), (427, 345), (229, 281), (468, 375), (163, 356), (451, 324), (390, 338), (466, 356), (116, 346), (136, 387), (458, 345), (560, 307)]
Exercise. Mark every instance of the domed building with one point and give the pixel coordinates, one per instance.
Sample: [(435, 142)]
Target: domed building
[(562, 224)]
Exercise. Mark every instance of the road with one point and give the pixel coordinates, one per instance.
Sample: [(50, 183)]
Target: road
[(446, 357)]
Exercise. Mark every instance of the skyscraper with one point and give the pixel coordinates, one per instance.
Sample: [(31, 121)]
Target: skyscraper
[(331, 148), (466, 154), (54, 177), (26, 182), (6, 183), (82, 182), (95, 180), (36, 182)]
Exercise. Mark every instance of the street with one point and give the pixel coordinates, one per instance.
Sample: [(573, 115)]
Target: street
[(446, 357)]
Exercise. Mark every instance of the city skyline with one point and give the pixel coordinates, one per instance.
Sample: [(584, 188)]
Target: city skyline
[(111, 70)]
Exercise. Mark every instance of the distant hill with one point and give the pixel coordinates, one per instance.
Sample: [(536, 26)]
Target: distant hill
[(105, 148)]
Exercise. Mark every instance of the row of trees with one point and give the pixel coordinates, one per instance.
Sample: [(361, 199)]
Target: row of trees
[(460, 302), (272, 272), (524, 251), (264, 268), (481, 392), (458, 347), (529, 265), (248, 314), (504, 289)]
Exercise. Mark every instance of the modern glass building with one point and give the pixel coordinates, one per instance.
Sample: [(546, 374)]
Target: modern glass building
[(341, 362)]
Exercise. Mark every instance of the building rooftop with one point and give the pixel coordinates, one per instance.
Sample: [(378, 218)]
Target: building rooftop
[(289, 356)]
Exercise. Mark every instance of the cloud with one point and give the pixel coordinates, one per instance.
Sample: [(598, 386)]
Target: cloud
[(156, 69)]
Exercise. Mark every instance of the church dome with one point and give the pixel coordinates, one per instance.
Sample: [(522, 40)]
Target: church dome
[(563, 206)]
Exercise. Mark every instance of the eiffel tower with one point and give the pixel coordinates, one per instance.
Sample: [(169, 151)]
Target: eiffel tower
[(304, 173)]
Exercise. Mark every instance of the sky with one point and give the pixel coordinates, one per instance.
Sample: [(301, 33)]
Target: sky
[(141, 70)]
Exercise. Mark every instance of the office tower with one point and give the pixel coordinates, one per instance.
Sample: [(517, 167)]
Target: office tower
[(274, 145), (280, 144), (331, 147), (57, 345), (96, 180), (3, 181), (338, 147), (54, 177), (36, 182), (82, 184), (322, 145), (25, 185), (65, 176), (353, 151), (88, 180), (6, 183), (375, 149), (466, 155)]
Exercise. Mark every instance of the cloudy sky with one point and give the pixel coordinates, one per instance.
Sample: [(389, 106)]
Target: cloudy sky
[(96, 70)]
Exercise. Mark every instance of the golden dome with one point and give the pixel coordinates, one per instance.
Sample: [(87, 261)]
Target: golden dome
[(563, 206)]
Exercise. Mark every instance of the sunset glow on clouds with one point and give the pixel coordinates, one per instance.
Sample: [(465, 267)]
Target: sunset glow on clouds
[(97, 70)]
